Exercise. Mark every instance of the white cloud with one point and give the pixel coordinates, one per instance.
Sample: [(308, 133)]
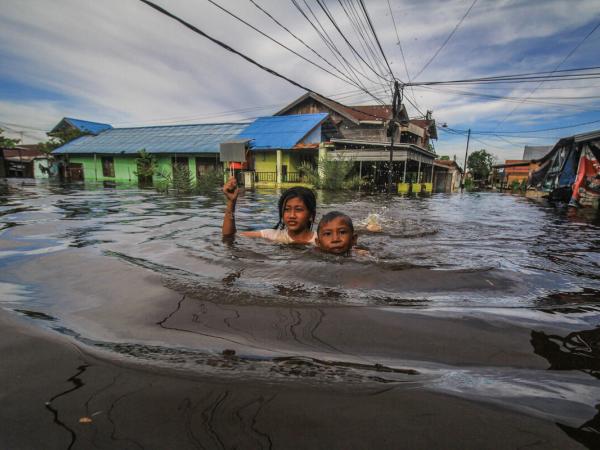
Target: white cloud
[(124, 63)]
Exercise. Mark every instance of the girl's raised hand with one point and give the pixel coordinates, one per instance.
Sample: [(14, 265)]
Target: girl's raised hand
[(231, 190)]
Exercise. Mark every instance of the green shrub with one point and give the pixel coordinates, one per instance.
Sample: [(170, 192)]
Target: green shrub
[(210, 179), (331, 174), (146, 165)]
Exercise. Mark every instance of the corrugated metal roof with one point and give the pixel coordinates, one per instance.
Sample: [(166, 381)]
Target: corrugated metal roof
[(281, 132), (531, 152), (200, 138), (87, 126)]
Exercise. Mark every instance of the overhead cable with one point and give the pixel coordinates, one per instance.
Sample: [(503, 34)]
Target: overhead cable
[(446, 41), (232, 50), (555, 69), (346, 79)]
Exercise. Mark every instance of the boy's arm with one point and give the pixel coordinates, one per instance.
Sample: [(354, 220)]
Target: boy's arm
[(231, 192)]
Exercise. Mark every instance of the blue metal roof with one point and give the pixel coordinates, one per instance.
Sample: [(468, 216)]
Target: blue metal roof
[(281, 132), (201, 138), (88, 127)]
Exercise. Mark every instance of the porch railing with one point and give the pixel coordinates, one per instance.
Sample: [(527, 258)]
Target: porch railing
[(290, 177)]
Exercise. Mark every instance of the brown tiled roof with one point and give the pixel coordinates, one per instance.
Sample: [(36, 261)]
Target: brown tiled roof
[(446, 162), (23, 150), (423, 123), (355, 113), (368, 111)]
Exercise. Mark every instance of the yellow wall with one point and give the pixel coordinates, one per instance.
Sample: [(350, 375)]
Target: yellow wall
[(267, 161)]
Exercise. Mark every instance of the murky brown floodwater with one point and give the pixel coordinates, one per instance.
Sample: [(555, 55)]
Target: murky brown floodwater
[(474, 295)]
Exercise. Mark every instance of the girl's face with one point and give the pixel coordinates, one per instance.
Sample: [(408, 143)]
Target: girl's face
[(296, 215)]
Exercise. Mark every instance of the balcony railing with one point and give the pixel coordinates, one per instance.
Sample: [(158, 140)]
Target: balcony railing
[(271, 177)]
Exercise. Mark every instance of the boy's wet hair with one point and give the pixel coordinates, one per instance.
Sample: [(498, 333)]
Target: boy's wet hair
[(304, 194), (334, 215)]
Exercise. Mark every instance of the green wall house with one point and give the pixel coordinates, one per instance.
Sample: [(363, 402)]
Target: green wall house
[(111, 154)]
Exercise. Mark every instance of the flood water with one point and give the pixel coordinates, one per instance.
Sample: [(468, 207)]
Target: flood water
[(485, 296)]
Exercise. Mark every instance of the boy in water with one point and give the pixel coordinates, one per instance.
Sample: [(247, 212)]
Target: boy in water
[(335, 233)]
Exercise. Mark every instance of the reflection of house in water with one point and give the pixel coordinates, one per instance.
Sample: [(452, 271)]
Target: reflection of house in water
[(23, 161), (361, 136), (579, 350)]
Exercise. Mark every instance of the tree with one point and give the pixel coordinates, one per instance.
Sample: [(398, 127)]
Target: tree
[(444, 158), (7, 142), (480, 163), (59, 138)]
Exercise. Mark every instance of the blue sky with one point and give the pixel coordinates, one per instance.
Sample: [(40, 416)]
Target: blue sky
[(123, 63)]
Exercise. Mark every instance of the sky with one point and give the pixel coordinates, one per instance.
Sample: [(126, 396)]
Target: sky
[(122, 62)]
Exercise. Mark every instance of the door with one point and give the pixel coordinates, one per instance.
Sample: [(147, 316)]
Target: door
[(75, 171)]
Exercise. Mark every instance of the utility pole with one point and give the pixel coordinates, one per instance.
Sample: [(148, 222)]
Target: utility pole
[(464, 174), (391, 130)]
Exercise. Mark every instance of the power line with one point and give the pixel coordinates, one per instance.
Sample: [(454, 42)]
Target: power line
[(360, 31), (446, 41), (364, 8), (541, 130), (401, 50), (232, 50), (355, 52), (536, 100), (303, 43), (329, 42), (282, 45), (555, 69), (512, 79)]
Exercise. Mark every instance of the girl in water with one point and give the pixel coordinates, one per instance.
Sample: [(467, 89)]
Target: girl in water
[(297, 210)]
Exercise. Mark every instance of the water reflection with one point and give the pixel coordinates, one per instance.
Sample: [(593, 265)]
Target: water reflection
[(579, 350)]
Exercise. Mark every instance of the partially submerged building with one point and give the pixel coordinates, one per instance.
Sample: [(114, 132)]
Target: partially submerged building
[(447, 176), (571, 170), (358, 133), (23, 161), (517, 171), (277, 146), (112, 154)]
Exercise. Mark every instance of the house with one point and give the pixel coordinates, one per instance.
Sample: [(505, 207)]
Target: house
[(277, 147), (531, 152), (359, 133), (447, 176), (280, 144), (23, 161), (515, 171), (571, 170), (110, 155), (69, 125)]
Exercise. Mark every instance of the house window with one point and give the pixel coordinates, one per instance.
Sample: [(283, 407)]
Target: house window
[(179, 163), (108, 166)]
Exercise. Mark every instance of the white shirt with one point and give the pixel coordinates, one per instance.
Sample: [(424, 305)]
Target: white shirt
[(282, 236)]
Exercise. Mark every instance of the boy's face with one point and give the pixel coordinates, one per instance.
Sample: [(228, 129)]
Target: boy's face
[(336, 236)]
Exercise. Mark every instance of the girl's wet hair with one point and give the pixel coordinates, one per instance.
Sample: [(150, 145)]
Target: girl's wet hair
[(304, 194), (334, 215)]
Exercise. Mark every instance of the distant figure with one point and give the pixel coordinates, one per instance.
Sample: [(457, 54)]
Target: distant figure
[(297, 211)]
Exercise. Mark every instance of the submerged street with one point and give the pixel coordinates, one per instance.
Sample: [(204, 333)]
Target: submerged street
[(474, 316)]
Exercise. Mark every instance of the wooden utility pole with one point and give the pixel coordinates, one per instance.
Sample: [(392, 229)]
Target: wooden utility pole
[(391, 130), (464, 174)]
